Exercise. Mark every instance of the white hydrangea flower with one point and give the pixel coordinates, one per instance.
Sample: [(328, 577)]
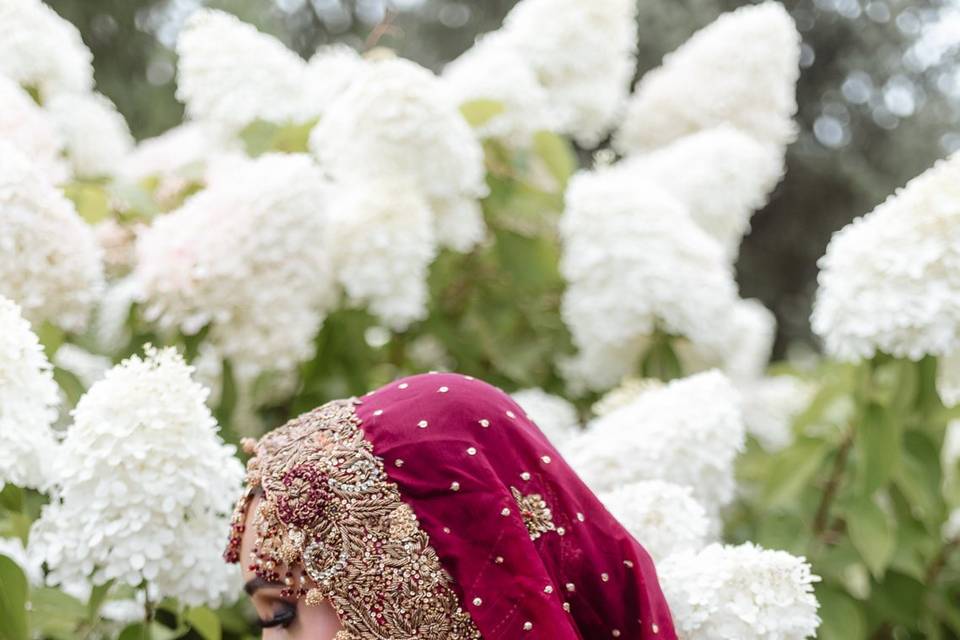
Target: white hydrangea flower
[(769, 406), (24, 125), (738, 592), (232, 74), (145, 487), (687, 432), (397, 123), (493, 70), (382, 242), (664, 517), (245, 254), (635, 262), (28, 403), (721, 175), (555, 416), (890, 280), (39, 49), (50, 262), (751, 329), (583, 53), (742, 69), (97, 136)]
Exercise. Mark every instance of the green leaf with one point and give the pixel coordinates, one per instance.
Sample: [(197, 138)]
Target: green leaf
[(54, 613), (11, 498), (919, 478), (792, 470), (557, 154), (91, 200), (878, 444), (478, 112), (13, 601), (51, 337), (205, 622), (258, 136), (872, 535), (899, 598), (842, 616)]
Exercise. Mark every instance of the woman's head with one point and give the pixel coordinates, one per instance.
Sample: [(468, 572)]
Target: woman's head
[(433, 508)]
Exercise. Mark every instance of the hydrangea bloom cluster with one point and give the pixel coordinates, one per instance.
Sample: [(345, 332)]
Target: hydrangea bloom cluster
[(28, 403), (50, 262), (96, 136), (381, 242), (741, 70), (396, 123), (41, 50), (633, 258), (231, 74), (664, 517), (583, 54), (732, 593), (890, 281), (144, 487), (688, 432), (13, 548), (245, 255), (555, 416), (25, 126), (721, 175)]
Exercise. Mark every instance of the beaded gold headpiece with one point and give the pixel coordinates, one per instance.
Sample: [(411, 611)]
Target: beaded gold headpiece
[(327, 506)]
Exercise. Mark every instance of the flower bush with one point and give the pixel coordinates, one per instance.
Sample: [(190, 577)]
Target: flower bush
[(316, 228)]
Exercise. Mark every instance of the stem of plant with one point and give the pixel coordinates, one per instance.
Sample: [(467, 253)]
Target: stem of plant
[(833, 485), (940, 560)]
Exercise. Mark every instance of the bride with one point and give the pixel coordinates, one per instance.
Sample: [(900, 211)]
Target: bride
[(433, 509)]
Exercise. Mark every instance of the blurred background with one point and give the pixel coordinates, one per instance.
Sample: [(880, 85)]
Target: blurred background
[(879, 96)]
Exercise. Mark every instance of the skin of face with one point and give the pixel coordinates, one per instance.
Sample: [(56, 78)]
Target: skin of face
[(300, 622)]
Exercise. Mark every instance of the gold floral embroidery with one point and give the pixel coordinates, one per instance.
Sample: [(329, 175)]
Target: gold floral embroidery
[(329, 506), (535, 513)]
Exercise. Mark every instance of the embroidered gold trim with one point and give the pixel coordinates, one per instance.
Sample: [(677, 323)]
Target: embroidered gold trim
[(329, 507), (535, 513)]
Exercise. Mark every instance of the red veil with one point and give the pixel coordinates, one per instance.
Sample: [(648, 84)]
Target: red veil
[(532, 551)]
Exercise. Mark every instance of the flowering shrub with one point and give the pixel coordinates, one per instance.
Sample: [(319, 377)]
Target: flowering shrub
[(319, 227)]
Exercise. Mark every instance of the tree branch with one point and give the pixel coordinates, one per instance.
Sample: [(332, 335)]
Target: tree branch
[(833, 484)]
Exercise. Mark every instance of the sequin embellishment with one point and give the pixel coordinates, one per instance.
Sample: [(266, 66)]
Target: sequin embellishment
[(535, 513)]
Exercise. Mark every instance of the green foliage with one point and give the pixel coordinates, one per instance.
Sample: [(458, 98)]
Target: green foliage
[(13, 601), (861, 492)]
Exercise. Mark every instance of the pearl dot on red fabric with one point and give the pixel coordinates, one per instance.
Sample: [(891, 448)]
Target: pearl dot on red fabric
[(655, 628), (548, 589), (454, 486), (511, 414), (399, 462), (402, 385), (566, 606), (472, 451), (477, 602), (605, 577), (545, 459), (571, 587), (498, 559), (525, 475), (378, 412), (580, 517), (484, 423), (527, 626), (443, 389), (422, 424), (615, 633), (505, 512), (561, 531), (628, 563)]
